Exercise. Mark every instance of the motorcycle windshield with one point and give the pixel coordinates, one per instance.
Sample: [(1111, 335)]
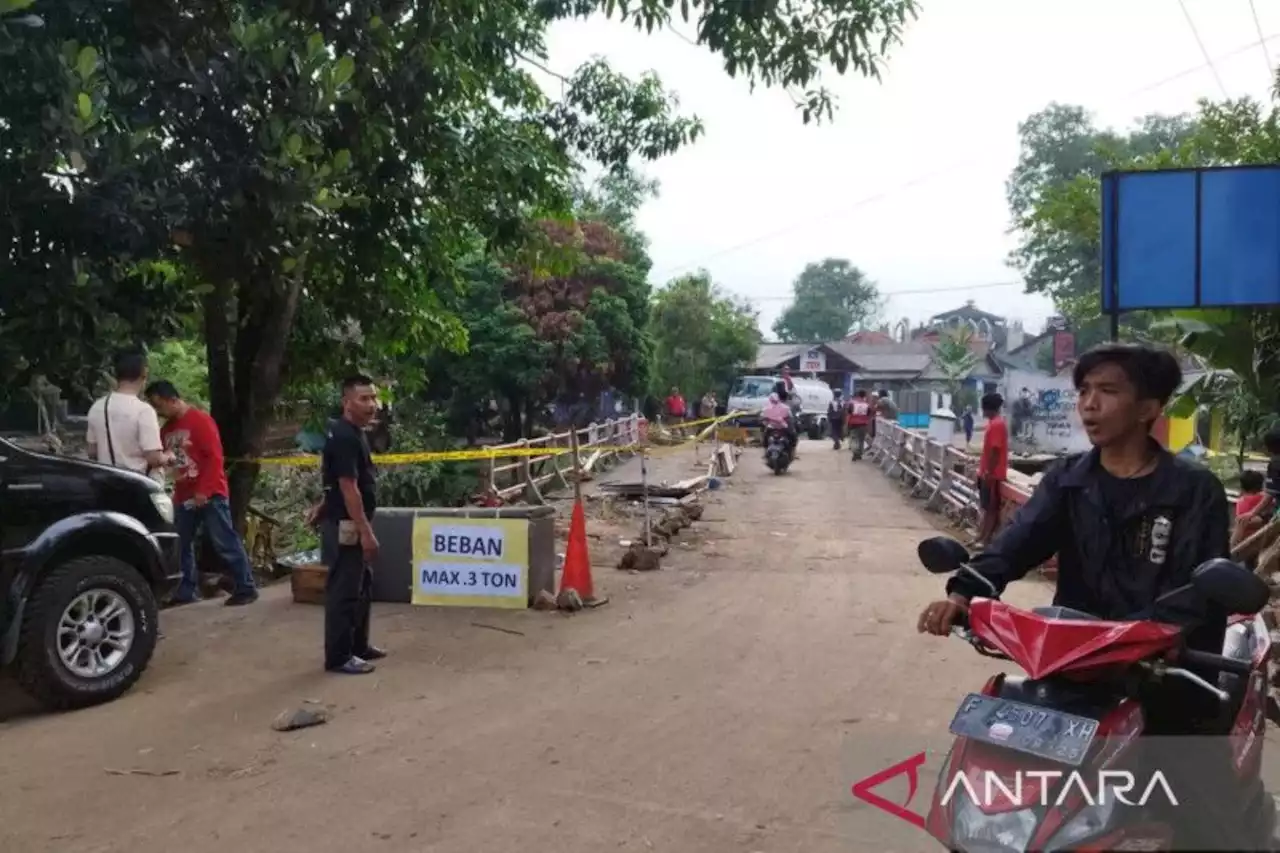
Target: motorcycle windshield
[(1045, 646)]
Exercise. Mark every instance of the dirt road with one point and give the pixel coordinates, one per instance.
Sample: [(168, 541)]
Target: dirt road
[(724, 704)]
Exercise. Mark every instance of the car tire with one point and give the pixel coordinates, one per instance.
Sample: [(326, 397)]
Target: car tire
[(97, 584)]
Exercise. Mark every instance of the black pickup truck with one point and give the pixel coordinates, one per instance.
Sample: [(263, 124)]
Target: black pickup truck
[(85, 552)]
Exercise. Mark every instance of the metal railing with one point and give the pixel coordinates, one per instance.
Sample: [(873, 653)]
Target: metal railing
[(942, 475), (527, 476)]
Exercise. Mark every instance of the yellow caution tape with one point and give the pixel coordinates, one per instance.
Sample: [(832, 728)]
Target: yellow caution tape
[(417, 458)]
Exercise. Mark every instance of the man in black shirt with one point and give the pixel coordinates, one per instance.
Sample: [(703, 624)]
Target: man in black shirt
[(1129, 522), (347, 542)]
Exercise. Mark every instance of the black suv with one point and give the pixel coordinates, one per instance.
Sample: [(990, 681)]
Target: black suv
[(85, 550)]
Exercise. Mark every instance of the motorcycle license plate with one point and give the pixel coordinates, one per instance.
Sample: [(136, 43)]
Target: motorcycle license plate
[(1042, 732)]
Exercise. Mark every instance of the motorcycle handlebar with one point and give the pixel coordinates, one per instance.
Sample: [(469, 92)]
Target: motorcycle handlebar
[(1208, 660)]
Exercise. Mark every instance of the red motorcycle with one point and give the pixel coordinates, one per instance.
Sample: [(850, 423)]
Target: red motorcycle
[(1030, 766)]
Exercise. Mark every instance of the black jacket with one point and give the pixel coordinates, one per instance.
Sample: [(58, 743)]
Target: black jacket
[(1114, 565)]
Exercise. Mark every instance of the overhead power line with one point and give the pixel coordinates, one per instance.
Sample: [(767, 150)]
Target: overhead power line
[(1266, 52), (916, 291), (798, 223), (1195, 31)]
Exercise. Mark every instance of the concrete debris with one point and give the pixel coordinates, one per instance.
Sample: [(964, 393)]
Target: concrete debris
[(569, 600), (640, 559), (300, 718)]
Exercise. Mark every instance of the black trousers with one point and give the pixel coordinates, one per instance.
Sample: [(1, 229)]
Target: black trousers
[(347, 599)]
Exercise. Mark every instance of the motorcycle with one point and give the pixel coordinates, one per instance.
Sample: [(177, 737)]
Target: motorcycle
[(777, 450), (1077, 715)]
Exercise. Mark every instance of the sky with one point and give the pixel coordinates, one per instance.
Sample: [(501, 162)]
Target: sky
[(907, 181)]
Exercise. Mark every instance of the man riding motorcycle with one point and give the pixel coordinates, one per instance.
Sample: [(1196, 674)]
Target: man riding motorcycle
[(778, 415), (1129, 521)]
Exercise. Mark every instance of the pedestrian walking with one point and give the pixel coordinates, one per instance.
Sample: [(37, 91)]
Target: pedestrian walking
[(860, 416), (707, 408), (967, 422), (123, 430), (200, 494), (836, 417), (347, 542)]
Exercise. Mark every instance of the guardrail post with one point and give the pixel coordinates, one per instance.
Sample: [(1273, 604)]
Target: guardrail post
[(531, 492), (931, 503)]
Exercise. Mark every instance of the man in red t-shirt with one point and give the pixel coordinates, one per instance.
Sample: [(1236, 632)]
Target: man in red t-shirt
[(675, 405), (200, 493), (993, 467)]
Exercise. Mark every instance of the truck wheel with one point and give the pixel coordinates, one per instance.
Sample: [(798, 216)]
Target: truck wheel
[(88, 633), (816, 430)]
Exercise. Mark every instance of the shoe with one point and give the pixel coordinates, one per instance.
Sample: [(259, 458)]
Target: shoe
[(354, 666), (240, 599), (176, 600), (373, 653)]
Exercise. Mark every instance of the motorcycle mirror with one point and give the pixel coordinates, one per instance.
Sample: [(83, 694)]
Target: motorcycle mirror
[(942, 555), (1231, 586)]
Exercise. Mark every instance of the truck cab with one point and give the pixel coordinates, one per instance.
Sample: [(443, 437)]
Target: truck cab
[(86, 550), (750, 393)]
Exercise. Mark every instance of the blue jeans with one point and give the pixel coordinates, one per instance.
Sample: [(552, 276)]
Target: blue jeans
[(216, 518)]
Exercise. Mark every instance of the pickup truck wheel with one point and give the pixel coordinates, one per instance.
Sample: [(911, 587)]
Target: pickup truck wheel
[(88, 633)]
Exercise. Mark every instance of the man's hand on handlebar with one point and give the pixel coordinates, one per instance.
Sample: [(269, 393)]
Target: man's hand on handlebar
[(940, 616)]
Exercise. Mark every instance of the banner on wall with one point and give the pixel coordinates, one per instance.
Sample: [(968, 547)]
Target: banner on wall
[(1041, 413), (471, 562)]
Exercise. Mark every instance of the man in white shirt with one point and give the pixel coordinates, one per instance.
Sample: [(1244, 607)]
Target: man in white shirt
[(124, 431)]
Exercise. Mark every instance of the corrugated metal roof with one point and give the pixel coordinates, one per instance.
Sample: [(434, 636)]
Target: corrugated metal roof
[(769, 356)]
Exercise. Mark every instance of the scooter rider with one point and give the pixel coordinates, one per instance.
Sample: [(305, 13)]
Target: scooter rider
[(778, 415), (1129, 521)]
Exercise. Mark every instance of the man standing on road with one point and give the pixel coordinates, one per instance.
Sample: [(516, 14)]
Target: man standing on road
[(836, 417), (200, 494), (123, 430), (347, 543), (993, 467), (859, 418)]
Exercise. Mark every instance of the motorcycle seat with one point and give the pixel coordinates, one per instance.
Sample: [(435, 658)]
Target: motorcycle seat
[(1056, 612)]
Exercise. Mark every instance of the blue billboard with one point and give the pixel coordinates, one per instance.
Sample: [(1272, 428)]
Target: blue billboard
[(1191, 238)]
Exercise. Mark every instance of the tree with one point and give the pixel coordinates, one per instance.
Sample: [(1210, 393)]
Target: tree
[(307, 176), (1060, 145), (541, 336), (954, 357), (701, 335), (830, 299)]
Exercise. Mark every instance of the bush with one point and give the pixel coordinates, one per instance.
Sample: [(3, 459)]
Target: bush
[(183, 363)]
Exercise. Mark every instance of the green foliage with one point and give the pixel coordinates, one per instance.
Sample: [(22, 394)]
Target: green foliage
[(780, 44), (701, 335), (183, 363), (1053, 197), (1243, 348), (830, 299), (541, 335), (424, 428), (954, 357)]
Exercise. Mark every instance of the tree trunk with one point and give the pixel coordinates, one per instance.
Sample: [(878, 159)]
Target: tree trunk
[(511, 430), (246, 333), (530, 418)]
